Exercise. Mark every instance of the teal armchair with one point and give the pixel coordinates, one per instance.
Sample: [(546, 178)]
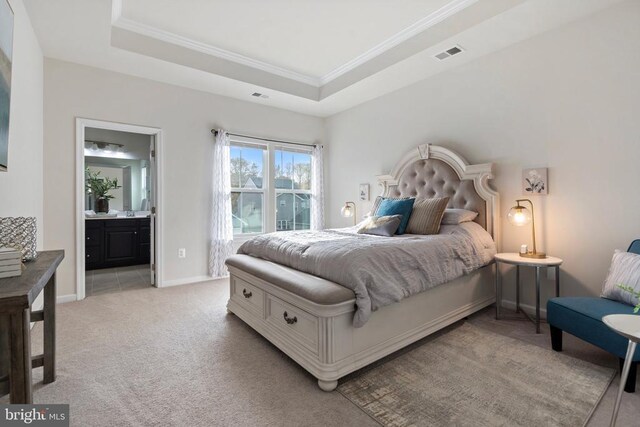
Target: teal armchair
[(582, 317)]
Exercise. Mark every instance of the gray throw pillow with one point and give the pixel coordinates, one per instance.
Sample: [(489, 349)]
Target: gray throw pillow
[(380, 225), (427, 215), (458, 216), (624, 270)]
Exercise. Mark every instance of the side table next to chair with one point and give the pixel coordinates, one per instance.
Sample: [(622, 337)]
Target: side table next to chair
[(627, 325)]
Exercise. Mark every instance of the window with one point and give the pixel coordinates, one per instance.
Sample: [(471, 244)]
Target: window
[(247, 189), (270, 188), (293, 190)]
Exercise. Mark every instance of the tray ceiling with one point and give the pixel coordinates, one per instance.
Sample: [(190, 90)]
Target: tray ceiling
[(305, 36), (312, 56)]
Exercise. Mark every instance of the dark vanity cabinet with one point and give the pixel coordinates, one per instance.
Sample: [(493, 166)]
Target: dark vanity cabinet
[(112, 242)]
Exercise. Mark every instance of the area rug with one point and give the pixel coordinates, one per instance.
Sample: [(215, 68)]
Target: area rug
[(473, 377)]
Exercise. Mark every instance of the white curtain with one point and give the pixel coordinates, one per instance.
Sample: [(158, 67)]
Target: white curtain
[(221, 224), (317, 189)]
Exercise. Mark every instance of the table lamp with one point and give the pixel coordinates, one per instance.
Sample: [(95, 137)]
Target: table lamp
[(520, 215), (349, 210)]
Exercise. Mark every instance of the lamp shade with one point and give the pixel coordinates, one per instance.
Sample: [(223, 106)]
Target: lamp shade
[(347, 210), (519, 215)]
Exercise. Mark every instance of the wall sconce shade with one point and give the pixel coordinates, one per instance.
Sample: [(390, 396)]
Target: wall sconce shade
[(349, 210), (520, 216)]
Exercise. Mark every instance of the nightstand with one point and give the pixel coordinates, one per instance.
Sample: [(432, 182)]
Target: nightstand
[(518, 261)]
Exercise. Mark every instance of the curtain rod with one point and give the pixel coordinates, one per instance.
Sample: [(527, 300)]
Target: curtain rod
[(215, 132)]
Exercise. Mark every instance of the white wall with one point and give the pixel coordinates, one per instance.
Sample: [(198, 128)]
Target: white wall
[(186, 117), (568, 100), (21, 187)]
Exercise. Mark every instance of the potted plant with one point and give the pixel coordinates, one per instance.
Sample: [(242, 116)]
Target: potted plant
[(99, 187), (632, 292)]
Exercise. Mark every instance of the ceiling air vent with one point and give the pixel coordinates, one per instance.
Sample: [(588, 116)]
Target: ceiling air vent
[(449, 52), (259, 95)]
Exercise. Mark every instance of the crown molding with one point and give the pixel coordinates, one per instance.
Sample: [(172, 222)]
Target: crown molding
[(166, 36), (449, 9), (428, 21)]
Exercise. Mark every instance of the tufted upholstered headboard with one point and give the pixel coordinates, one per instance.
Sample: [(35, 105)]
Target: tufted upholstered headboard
[(433, 171)]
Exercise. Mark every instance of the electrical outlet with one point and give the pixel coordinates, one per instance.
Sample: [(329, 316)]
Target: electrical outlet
[(182, 253)]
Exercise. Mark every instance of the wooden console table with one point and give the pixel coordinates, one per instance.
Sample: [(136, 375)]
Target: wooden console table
[(17, 295)]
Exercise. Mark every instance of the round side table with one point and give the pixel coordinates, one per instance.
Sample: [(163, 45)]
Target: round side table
[(520, 261), (627, 325)]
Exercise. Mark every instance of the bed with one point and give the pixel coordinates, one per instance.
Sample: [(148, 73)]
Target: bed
[(317, 322)]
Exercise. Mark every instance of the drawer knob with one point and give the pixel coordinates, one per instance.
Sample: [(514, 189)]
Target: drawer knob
[(290, 320), (88, 238), (246, 294)]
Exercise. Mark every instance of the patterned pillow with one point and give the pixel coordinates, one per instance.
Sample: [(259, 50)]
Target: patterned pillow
[(624, 270), (380, 225), (427, 215), (397, 207)]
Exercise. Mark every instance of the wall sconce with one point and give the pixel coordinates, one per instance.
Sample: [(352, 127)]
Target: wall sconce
[(349, 210), (520, 216)]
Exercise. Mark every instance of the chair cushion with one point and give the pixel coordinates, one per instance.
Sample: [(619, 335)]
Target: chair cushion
[(582, 317)]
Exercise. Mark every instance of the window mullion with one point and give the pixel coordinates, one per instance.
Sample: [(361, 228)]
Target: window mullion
[(295, 211)]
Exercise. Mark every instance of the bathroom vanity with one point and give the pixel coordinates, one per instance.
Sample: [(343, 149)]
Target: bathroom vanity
[(117, 242)]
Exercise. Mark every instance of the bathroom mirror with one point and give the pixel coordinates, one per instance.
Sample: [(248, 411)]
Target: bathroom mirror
[(116, 158)]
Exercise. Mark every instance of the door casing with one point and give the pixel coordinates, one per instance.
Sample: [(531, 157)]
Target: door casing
[(157, 230)]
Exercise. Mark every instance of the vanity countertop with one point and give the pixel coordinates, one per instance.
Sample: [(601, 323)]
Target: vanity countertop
[(101, 217)]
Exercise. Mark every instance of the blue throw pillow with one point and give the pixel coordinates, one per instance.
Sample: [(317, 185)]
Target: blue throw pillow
[(397, 207)]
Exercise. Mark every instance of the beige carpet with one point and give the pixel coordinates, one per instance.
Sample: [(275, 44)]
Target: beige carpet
[(473, 377), (174, 357)]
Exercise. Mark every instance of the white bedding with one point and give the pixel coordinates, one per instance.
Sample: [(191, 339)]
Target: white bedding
[(380, 270)]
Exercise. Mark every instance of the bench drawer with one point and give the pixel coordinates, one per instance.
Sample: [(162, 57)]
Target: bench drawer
[(297, 324), (247, 296)]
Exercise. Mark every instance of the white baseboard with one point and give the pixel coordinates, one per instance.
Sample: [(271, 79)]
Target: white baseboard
[(61, 299), (186, 281), (530, 309)]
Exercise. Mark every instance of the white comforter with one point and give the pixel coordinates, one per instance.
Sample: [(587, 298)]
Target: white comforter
[(379, 270)]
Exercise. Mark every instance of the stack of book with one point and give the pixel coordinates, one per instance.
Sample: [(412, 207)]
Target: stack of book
[(10, 262)]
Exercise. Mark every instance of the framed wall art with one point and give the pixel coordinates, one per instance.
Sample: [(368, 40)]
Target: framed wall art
[(534, 181), (6, 58)]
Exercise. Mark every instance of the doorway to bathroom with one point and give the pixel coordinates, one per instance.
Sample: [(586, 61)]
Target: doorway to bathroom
[(118, 206)]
